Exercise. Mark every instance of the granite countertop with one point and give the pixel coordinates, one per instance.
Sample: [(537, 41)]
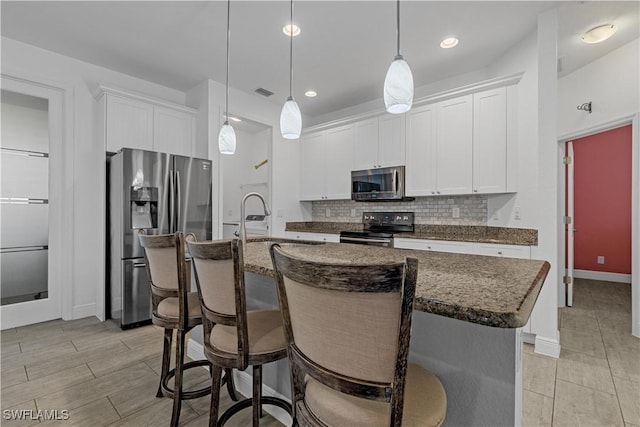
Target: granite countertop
[(490, 291), (460, 233)]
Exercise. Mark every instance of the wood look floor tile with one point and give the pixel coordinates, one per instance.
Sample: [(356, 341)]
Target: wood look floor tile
[(582, 342), (98, 355), (576, 405), (629, 398), (623, 357), (136, 397), (158, 414), (581, 320), (16, 360), (539, 374), (10, 348), (122, 360), (95, 414), (585, 370), (15, 376), (95, 388), (45, 385), (538, 410), (21, 418)]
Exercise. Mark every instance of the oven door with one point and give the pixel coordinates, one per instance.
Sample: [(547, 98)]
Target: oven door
[(378, 184), (386, 242)]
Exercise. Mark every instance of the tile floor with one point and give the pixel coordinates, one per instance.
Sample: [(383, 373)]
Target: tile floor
[(105, 376), (596, 380)]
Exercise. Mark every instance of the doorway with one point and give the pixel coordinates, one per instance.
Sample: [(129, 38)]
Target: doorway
[(599, 229), (31, 203)]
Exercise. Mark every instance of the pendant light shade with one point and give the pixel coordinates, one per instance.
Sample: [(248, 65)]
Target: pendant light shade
[(227, 139), (290, 117), (227, 136), (290, 120), (398, 87), (398, 84)]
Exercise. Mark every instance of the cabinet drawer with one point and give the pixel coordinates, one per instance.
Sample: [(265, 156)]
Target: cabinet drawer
[(315, 237), (508, 251), (434, 245)]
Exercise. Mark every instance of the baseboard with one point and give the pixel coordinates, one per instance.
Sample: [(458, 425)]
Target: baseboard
[(243, 381), (528, 337), (82, 311), (602, 275), (547, 346)]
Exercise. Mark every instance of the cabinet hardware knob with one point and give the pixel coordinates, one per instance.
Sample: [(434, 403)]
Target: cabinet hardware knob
[(499, 252), (475, 191)]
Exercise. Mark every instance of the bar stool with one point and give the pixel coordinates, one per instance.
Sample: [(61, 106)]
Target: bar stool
[(348, 329), (234, 337), (174, 308)]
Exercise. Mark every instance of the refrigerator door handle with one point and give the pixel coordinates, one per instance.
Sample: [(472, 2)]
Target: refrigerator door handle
[(179, 207), (173, 202)]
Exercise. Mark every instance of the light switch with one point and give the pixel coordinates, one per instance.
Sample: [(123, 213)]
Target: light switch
[(327, 213), (600, 259), (517, 213)]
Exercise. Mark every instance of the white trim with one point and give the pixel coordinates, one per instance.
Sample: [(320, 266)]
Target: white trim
[(429, 99), (84, 310), (547, 347), (602, 275), (529, 338), (243, 383), (102, 90), (598, 128)]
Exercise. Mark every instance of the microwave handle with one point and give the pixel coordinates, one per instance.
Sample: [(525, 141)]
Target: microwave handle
[(395, 180)]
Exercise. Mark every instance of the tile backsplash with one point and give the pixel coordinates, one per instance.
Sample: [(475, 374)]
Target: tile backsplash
[(428, 210)]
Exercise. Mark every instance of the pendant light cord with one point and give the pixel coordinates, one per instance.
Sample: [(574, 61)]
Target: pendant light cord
[(291, 55), (398, 26), (226, 110)]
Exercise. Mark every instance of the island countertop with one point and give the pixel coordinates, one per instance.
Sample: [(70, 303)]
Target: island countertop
[(490, 291)]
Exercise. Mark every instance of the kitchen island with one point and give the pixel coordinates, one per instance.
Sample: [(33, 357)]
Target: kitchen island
[(466, 325)]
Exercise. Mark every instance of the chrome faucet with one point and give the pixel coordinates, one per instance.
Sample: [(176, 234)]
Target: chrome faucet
[(243, 230)]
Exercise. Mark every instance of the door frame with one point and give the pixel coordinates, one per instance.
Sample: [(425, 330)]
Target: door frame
[(634, 121), (59, 303)]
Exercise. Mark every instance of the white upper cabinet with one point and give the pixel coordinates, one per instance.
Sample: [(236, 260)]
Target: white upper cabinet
[(454, 146), (464, 145), (129, 123), (490, 141), (173, 131), (326, 159), (421, 151), (379, 142), (136, 121)]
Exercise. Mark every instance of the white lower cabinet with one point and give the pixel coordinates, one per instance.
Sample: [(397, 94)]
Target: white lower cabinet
[(507, 251), (434, 245), (314, 237)]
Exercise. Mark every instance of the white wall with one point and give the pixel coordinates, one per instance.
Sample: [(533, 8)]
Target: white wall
[(610, 82), (88, 158)]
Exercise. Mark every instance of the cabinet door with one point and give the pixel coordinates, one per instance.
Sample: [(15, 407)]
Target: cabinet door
[(434, 245), (421, 150), (338, 162), (365, 154), (129, 124), (490, 141), (391, 140), (312, 167), (173, 131), (454, 150)]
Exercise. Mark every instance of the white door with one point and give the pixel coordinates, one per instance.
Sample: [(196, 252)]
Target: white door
[(31, 193)]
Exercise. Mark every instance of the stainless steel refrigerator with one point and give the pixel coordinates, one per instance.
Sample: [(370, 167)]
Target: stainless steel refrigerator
[(158, 192)]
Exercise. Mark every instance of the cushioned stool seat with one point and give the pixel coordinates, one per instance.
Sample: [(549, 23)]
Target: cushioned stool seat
[(170, 307), (266, 334)]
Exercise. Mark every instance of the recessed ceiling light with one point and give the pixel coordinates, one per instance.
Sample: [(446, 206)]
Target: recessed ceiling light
[(598, 34), (287, 30), (311, 93), (449, 42)]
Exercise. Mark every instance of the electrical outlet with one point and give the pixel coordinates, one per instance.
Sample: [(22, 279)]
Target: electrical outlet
[(455, 213), (353, 212), (328, 213), (600, 259), (517, 213), (496, 216)]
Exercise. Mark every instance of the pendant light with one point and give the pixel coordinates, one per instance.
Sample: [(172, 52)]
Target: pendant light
[(227, 136), (290, 117), (398, 84)]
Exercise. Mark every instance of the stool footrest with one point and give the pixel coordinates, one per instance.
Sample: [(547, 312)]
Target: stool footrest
[(248, 403), (191, 394)]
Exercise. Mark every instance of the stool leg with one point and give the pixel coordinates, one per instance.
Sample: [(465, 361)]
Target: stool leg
[(166, 358), (231, 387), (257, 394), (216, 373), (177, 386)]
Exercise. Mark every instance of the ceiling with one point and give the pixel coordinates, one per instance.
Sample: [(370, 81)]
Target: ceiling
[(343, 51)]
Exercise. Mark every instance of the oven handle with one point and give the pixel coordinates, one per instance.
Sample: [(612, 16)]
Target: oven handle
[(357, 239)]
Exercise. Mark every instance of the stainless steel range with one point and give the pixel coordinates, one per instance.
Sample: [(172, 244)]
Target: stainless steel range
[(379, 228)]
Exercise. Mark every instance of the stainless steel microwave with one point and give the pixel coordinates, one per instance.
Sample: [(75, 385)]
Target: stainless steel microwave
[(372, 185)]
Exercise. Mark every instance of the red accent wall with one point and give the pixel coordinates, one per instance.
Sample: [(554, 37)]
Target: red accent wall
[(602, 185)]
